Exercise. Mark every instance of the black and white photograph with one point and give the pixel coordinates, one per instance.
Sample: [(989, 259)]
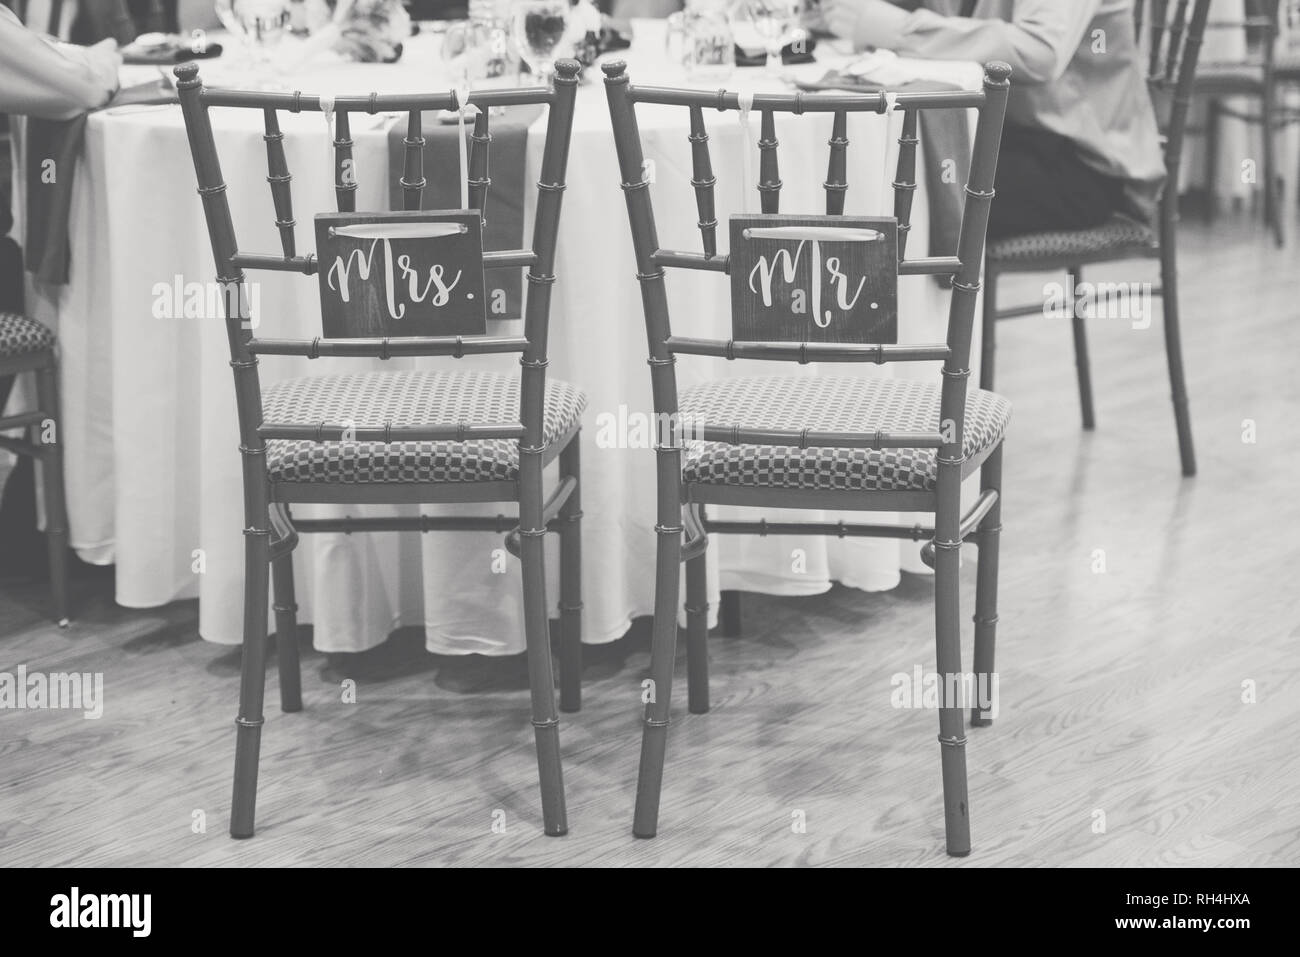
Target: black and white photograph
[(649, 434)]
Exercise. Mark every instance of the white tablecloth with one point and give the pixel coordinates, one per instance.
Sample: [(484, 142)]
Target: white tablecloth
[(149, 416)]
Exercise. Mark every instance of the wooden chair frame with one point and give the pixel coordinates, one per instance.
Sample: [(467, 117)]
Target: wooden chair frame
[(270, 531), (44, 364), (1175, 48), (682, 525), (1256, 78)]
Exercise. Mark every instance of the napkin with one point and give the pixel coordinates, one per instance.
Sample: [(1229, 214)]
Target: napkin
[(788, 55), (52, 150), (175, 50), (504, 214), (49, 187)]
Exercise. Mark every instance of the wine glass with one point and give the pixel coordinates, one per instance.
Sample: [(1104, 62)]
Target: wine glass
[(259, 24), (773, 21), (538, 27), (469, 51)]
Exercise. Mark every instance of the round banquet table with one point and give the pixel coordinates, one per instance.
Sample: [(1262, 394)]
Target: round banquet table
[(152, 462)]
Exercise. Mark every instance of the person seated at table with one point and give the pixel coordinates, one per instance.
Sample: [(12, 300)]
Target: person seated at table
[(40, 79), (1080, 144)]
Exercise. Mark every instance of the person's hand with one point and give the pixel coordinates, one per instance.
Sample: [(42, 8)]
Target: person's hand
[(101, 62), (868, 23)]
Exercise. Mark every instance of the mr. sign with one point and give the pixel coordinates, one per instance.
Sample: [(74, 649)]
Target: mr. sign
[(814, 279)]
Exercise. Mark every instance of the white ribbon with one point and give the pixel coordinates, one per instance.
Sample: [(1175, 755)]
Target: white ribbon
[(745, 101), (391, 230), (327, 111), (887, 192), (830, 234), (462, 104)]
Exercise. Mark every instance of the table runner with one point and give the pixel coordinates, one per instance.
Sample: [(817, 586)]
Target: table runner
[(49, 187)]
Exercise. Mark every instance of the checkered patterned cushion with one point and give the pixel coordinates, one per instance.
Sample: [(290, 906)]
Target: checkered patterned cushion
[(833, 405), (20, 335), (407, 398), (1117, 236)]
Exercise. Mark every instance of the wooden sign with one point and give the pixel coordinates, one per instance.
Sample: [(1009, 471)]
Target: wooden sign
[(401, 274), (814, 278)]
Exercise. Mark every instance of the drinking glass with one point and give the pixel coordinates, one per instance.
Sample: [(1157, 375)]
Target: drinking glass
[(701, 40), (259, 24), (774, 20), (539, 26)]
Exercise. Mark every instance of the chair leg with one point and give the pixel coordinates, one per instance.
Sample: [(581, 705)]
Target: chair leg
[(947, 634), (1081, 354), (56, 513), (729, 613), (286, 634), (1174, 349), (252, 684), (571, 583), (986, 588), (663, 651), (988, 345), (1211, 160), (697, 634), (1272, 194), (541, 675)]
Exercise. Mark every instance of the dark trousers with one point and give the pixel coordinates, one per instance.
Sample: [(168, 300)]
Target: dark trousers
[(1043, 185)]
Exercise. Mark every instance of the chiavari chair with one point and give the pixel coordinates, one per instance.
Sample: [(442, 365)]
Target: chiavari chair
[(1175, 42), (1253, 78), (1286, 68), (862, 444), (416, 437)]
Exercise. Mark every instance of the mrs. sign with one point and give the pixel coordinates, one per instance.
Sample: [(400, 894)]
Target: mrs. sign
[(401, 273)]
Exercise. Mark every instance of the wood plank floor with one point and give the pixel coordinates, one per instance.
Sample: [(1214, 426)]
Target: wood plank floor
[(1121, 692)]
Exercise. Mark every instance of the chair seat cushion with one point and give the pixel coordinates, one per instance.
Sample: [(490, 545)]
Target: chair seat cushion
[(407, 398), (833, 405), (1118, 236), (21, 336)]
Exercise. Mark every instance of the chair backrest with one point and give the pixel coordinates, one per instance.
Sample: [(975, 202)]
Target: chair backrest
[(1258, 28), (231, 260), (1173, 50), (964, 267)]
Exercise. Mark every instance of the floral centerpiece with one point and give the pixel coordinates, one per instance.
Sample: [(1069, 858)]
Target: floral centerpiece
[(368, 31)]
